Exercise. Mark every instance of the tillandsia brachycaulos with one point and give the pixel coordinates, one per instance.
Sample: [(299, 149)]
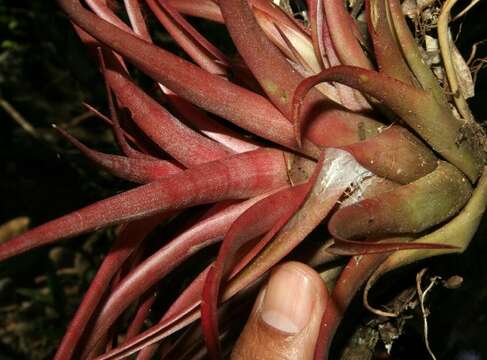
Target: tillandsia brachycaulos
[(317, 121)]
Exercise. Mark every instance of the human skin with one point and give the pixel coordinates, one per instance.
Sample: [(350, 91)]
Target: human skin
[(285, 320)]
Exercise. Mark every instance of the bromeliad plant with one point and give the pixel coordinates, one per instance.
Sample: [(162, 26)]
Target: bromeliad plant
[(331, 123)]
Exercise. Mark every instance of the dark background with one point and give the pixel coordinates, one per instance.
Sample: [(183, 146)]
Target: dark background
[(45, 74)]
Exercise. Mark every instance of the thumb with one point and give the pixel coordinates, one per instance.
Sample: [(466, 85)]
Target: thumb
[(285, 321)]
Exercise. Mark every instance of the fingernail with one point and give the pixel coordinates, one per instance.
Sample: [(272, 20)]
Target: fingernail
[(288, 300)]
